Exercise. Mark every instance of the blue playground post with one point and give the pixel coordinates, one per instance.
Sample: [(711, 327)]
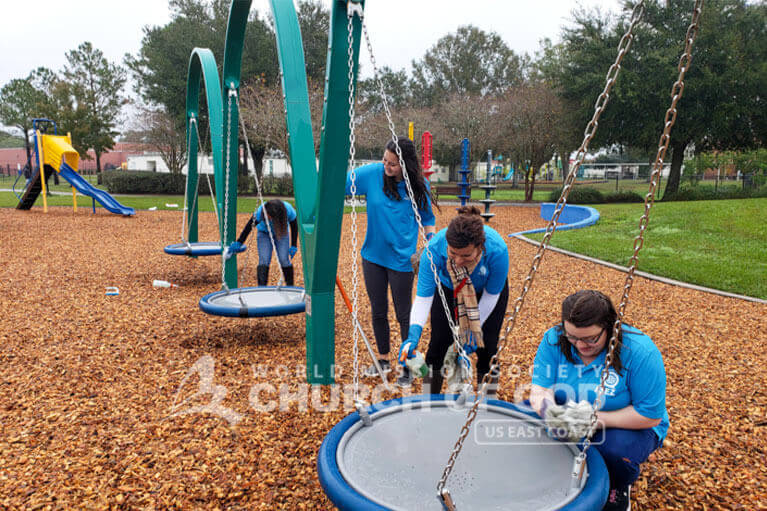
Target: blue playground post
[(464, 183)]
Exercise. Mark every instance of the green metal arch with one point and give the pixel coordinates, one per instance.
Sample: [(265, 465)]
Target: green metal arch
[(319, 195), (202, 67)]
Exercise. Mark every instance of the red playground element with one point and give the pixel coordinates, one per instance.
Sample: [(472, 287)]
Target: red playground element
[(426, 154)]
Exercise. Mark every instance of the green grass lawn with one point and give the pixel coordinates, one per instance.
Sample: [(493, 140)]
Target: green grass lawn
[(719, 244)]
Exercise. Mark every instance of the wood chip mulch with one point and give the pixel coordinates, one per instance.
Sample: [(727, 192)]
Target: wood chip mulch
[(90, 382)]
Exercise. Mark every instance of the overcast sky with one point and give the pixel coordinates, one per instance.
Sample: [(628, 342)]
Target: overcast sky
[(39, 33)]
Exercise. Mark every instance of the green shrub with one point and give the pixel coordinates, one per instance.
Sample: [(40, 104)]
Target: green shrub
[(277, 185), (693, 193), (133, 182), (623, 196), (579, 195)]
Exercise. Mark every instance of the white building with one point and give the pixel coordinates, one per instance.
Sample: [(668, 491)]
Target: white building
[(153, 162)]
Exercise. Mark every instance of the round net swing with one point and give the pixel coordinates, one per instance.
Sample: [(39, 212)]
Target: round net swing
[(383, 455), (202, 61), (510, 464)]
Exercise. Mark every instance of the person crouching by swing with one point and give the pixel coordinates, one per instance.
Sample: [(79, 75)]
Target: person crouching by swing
[(279, 213), (632, 420), (472, 261)]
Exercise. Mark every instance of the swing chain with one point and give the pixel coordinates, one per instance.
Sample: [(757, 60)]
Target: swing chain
[(261, 202), (351, 10), (601, 103), (411, 195), (192, 123), (232, 92), (665, 138)]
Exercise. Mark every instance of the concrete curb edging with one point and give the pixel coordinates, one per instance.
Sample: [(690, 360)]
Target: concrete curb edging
[(649, 276)]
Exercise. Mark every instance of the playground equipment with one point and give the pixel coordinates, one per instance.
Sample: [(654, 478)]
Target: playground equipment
[(54, 153), (202, 64), (510, 174), (464, 183), (367, 462), (488, 188), (319, 194), (426, 145)]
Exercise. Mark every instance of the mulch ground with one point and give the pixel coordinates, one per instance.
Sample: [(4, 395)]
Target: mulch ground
[(99, 392)]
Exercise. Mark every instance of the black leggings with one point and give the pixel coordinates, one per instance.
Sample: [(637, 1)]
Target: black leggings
[(378, 279), (442, 337)]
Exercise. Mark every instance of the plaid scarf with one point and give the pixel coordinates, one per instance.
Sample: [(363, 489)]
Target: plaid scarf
[(466, 309)]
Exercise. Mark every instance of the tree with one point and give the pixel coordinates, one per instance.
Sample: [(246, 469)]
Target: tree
[(95, 88), (470, 61), (160, 67), (20, 102), (156, 128), (529, 118), (263, 113), (314, 23), (395, 87), (723, 102)]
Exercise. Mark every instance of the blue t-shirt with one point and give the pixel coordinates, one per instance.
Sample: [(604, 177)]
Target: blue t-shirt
[(642, 382), (261, 225), (490, 273), (392, 232)]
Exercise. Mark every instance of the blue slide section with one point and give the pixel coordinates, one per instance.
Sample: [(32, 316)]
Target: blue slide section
[(85, 188)]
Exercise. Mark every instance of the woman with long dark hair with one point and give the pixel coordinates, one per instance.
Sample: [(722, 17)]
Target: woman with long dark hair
[(391, 238), (280, 214), (632, 420), (472, 262)]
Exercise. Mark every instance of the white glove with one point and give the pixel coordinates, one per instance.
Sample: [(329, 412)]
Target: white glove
[(571, 420)]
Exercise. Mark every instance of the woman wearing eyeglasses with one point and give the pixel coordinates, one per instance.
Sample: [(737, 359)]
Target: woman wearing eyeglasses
[(633, 420)]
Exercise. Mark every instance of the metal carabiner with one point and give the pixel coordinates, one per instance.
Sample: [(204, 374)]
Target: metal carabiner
[(354, 7)]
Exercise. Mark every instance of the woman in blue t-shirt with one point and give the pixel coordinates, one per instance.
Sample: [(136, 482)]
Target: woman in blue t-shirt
[(633, 420), (391, 239), (280, 213), (472, 262)]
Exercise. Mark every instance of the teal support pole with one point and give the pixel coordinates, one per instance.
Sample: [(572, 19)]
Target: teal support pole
[(202, 66), (226, 184), (319, 196)]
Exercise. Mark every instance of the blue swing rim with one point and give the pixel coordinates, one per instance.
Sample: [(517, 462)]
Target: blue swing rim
[(198, 248), (250, 312), (345, 498)]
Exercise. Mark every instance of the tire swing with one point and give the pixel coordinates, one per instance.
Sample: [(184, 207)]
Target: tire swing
[(366, 461), (250, 302), (202, 63)]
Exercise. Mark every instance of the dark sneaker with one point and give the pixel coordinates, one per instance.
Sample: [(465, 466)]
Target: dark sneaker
[(405, 380), (372, 372), (619, 499)]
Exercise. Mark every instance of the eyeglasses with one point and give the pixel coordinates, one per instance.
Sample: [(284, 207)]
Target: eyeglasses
[(587, 340)]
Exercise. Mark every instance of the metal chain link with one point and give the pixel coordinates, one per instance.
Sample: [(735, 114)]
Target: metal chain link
[(411, 195), (184, 226), (601, 103), (353, 176), (649, 200), (261, 202), (227, 167), (193, 121)]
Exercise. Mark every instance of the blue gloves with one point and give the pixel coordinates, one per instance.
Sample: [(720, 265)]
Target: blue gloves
[(292, 251), (410, 344), (471, 345), (235, 247), (429, 236)]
